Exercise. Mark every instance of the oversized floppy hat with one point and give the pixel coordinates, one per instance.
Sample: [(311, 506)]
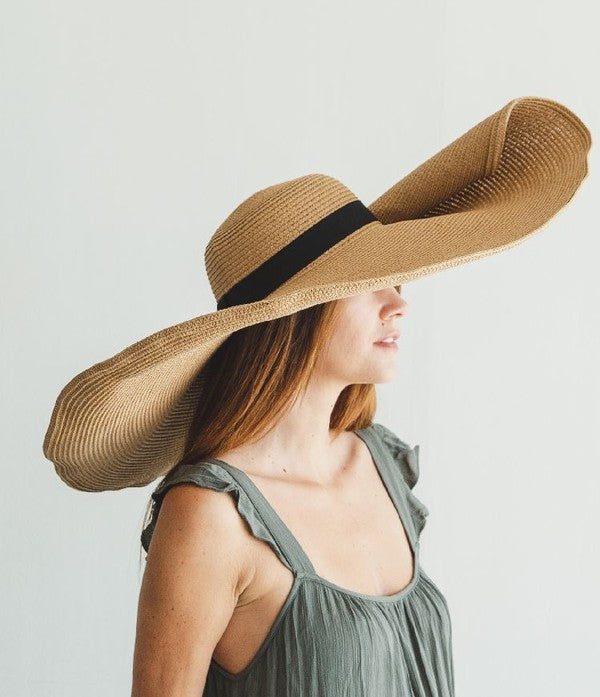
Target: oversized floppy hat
[(123, 422)]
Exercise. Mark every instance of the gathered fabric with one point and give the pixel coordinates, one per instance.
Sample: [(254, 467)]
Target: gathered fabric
[(329, 641)]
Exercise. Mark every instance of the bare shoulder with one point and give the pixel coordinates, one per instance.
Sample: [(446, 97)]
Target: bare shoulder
[(196, 569), (202, 523)]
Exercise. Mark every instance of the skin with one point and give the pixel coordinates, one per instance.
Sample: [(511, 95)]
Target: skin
[(302, 439), (216, 590)]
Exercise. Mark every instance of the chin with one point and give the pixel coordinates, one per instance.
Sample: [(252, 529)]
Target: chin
[(380, 377)]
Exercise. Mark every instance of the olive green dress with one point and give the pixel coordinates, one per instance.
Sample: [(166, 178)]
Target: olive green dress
[(328, 641)]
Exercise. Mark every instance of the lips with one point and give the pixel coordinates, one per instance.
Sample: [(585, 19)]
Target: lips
[(393, 336), (392, 345)]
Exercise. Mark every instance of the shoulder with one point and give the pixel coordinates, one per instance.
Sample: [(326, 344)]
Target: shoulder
[(389, 437), (200, 507), (200, 523), (195, 512), (405, 455), (406, 458)]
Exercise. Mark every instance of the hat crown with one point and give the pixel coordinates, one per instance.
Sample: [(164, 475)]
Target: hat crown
[(265, 223), (126, 420)]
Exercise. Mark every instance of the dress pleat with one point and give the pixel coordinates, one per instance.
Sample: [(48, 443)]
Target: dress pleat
[(327, 641)]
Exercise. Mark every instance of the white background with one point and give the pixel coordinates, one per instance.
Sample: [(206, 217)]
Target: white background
[(130, 130)]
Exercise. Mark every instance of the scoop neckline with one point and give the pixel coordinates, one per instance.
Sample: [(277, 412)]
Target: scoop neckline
[(376, 449)]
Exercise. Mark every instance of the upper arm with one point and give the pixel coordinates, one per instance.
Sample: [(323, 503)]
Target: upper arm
[(195, 571)]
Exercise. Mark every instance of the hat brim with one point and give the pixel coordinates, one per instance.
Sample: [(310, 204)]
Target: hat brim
[(123, 422)]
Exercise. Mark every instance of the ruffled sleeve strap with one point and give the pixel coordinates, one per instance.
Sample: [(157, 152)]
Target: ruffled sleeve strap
[(211, 476), (407, 458)]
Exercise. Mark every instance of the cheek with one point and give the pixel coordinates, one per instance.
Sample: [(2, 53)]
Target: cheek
[(350, 343), (353, 330)]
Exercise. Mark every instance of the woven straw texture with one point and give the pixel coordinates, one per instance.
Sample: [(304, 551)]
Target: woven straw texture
[(123, 422)]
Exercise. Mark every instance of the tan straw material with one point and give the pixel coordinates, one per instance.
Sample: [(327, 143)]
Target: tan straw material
[(123, 422)]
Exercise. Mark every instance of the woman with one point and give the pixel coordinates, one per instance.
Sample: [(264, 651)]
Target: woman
[(283, 539), (234, 611)]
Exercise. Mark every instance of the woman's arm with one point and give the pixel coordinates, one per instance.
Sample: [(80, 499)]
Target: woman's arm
[(195, 571)]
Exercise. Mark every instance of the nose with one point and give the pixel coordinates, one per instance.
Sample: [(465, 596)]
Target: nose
[(396, 305)]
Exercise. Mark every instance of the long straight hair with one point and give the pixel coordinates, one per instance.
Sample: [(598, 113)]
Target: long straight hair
[(257, 374)]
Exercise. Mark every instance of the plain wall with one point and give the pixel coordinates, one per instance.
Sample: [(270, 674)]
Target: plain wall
[(129, 131)]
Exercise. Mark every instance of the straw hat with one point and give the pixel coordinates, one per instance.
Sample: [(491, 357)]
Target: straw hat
[(123, 422)]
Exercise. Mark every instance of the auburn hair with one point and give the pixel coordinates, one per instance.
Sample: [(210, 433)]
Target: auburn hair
[(257, 374)]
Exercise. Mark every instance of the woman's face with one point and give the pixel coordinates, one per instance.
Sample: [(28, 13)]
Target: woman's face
[(352, 354)]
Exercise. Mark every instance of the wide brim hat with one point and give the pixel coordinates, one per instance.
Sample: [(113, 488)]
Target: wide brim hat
[(123, 422)]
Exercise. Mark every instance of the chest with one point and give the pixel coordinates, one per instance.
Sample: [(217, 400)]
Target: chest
[(353, 536)]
